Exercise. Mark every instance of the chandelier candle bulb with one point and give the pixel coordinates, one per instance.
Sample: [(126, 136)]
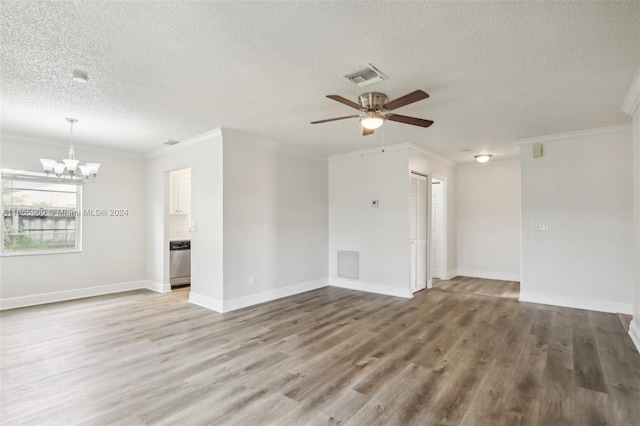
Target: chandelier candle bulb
[(47, 164), (93, 168), (85, 171), (71, 164), (58, 169)]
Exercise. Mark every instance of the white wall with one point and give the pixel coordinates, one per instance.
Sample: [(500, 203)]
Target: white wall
[(581, 187), (427, 164), (112, 247), (488, 219), (632, 107), (275, 221), (381, 235), (204, 157), (179, 227)]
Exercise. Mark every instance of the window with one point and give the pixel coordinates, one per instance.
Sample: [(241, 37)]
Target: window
[(39, 215)]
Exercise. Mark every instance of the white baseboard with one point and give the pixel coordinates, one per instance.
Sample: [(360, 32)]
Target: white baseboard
[(430, 283), (577, 302), (371, 288), (266, 296), (59, 296), (634, 332), (158, 287), (205, 302), (489, 275), (451, 274)]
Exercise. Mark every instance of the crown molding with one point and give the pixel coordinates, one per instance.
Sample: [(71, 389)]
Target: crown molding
[(632, 100), (183, 144), (82, 148), (417, 149), (573, 135), (268, 142), (377, 150)]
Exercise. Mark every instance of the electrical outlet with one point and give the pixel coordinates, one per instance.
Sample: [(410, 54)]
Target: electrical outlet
[(374, 203), (252, 279)]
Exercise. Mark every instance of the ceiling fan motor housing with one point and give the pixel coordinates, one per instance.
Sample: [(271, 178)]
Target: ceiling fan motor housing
[(372, 100)]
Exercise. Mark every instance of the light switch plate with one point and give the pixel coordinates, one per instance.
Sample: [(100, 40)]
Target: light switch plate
[(542, 226)]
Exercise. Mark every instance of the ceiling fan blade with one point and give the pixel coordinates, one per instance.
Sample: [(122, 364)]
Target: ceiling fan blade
[(409, 120), (367, 132), (345, 101), (412, 97), (334, 119)]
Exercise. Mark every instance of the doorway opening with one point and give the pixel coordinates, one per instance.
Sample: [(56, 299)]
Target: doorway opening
[(180, 227)]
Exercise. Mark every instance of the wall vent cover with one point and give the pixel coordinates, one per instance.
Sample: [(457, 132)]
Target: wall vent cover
[(349, 264), (366, 75)]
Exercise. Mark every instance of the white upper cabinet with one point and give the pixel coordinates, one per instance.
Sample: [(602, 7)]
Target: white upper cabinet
[(180, 192)]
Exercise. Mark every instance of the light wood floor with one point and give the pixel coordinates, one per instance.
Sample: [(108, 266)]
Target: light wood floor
[(330, 356)]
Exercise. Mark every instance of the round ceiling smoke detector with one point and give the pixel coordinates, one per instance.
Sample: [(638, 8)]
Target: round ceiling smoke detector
[(80, 76)]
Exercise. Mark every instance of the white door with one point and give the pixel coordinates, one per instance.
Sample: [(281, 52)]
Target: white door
[(436, 228), (418, 231)]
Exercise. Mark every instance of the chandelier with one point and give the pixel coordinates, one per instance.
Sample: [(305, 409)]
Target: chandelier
[(70, 168)]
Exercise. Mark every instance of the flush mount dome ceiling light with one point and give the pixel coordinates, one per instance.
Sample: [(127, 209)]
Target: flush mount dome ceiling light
[(483, 158), (69, 168)]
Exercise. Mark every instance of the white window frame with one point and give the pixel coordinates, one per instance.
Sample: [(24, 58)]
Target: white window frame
[(17, 175)]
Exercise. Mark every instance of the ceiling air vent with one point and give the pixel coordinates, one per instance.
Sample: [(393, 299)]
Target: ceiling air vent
[(170, 142), (366, 75)]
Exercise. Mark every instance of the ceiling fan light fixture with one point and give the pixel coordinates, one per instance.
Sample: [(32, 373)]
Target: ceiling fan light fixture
[(483, 158), (371, 120)]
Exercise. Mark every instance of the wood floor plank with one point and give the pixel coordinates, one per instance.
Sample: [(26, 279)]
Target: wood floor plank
[(477, 286), (586, 360), (592, 408), (401, 389), (329, 356), (617, 368), (526, 385), (489, 404), (625, 405), (557, 405)]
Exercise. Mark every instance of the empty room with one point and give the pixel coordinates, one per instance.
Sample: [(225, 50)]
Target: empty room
[(320, 213)]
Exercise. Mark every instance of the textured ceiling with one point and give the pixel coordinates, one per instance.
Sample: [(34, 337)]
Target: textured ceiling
[(496, 71)]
